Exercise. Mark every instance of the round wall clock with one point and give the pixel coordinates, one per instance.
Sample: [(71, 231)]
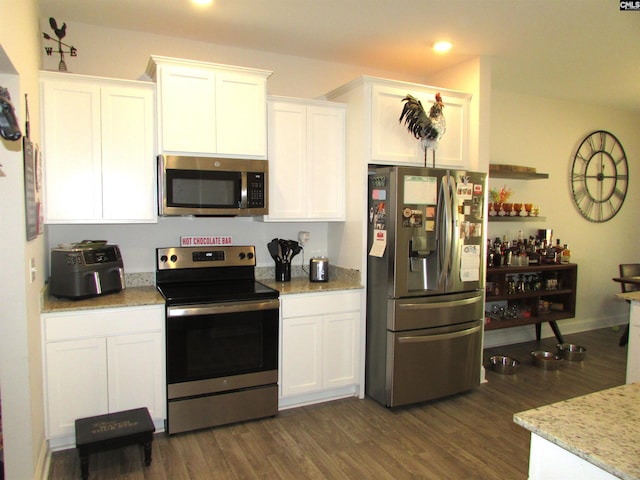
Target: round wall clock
[(599, 176)]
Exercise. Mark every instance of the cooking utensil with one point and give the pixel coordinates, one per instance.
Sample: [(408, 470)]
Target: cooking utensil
[(274, 249)]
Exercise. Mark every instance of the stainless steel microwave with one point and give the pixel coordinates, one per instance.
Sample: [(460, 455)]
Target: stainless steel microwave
[(204, 186)]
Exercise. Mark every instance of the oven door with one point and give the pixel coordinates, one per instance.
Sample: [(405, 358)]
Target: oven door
[(221, 347)]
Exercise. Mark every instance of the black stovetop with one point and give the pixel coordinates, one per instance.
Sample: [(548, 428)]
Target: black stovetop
[(213, 292), (198, 275)]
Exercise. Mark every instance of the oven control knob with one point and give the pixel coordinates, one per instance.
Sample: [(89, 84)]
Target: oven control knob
[(174, 258), (163, 258), (241, 255), (249, 255)]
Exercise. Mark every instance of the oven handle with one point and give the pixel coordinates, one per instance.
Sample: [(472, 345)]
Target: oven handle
[(221, 308)]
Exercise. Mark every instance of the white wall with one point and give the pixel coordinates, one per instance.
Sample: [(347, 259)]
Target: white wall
[(545, 133), (20, 358)]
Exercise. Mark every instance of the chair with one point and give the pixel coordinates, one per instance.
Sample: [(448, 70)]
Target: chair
[(628, 270)]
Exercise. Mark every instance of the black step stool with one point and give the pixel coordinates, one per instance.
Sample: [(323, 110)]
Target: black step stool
[(113, 430)]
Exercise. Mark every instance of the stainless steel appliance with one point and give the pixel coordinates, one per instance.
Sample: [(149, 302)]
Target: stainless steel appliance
[(86, 269), (319, 269), (425, 283), (202, 186), (221, 337)]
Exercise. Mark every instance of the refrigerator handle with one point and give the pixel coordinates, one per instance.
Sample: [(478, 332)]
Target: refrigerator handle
[(454, 253), (443, 231)]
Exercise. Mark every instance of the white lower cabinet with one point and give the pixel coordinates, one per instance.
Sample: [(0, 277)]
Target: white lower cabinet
[(102, 361), (320, 347)]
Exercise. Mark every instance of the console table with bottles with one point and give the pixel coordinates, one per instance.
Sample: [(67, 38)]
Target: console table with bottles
[(530, 295)]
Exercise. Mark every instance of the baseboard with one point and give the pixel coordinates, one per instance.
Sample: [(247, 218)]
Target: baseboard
[(318, 397), (44, 462), (527, 333)]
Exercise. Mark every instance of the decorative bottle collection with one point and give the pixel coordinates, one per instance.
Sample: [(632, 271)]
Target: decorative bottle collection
[(521, 251)]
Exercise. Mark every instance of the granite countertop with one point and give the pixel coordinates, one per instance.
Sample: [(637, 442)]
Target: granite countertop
[(140, 289), (602, 428), (339, 279), (129, 297), (303, 285)]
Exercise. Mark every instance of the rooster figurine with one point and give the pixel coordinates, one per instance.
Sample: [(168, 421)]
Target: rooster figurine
[(428, 128)]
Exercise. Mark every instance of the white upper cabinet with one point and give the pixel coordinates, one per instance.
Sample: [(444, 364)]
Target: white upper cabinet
[(208, 109), (379, 103), (306, 160), (98, 149)]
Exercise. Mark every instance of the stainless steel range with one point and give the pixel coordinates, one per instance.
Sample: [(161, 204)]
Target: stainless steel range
[(221, 337)]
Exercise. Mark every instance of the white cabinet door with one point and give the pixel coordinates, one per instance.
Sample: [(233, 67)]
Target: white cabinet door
[(301, 355), (287, 161), (306, 160), (72, 150), (128, 167), (206, 109), (326, 162), (392, 143), (135, 372), (98, 139), (75, 371), (241, 115), (187, 109), (340, 349)]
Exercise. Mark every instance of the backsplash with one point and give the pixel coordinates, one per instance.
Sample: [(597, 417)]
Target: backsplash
[(146, 279)]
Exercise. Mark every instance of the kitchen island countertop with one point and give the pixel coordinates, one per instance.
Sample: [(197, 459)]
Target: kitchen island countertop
[(632, 296), (602, 428), (129, 297)]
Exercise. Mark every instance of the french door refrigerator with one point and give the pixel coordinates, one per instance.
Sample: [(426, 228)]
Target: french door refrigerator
[(425, 283)]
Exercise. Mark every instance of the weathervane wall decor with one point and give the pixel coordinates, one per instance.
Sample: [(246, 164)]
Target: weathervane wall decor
[(60, 34)]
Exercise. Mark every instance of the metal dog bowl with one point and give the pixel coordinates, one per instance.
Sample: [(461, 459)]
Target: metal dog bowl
[(503, 364), (546, 360), (571, 352)]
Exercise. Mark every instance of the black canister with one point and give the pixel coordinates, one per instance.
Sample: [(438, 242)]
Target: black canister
[(283, 272)]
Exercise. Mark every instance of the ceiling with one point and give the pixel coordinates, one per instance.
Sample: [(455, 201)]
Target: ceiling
[(579, 50)]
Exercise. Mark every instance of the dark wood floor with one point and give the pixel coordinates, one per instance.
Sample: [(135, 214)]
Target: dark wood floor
[(467, 436)]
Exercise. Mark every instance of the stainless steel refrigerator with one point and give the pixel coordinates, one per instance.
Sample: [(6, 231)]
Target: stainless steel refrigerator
[(425, 283)]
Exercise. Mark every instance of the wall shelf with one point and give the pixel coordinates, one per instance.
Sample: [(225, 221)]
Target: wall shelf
[(515, 172), (497, 218)]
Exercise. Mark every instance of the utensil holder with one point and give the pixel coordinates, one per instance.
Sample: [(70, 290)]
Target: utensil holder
[(283, 272)]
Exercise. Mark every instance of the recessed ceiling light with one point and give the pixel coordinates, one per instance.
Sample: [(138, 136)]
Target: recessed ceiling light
[(202, 2), (442, 46)]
